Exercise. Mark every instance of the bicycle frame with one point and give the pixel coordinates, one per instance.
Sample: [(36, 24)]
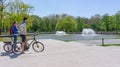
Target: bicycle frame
[(33, 40)]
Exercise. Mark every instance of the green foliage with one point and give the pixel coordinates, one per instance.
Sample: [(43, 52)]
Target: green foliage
[(95, 22), (36, 23), (117, 18), (15, 10), (82, 23), (67, 24)]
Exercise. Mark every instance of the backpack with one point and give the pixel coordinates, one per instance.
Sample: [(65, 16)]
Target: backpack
[(11, 31)]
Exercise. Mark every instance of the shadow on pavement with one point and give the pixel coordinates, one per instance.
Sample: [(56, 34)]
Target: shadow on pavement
[(9, 54)]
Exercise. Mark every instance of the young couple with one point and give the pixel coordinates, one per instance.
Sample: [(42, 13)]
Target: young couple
[(22, 29)]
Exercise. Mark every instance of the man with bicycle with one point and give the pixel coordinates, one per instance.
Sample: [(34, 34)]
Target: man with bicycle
[(22, 27)]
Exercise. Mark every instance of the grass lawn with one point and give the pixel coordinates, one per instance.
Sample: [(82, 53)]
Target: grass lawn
[(9, 39), (67, 40), (2, 39), (110, 45)]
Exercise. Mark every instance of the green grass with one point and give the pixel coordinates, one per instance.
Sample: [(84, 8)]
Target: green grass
[(2, 39), (67, 40), (9, 39), (106, 45)]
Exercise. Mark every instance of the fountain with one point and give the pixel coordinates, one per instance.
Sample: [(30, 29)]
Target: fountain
[(88, 31), (60, 33), (87, 34)]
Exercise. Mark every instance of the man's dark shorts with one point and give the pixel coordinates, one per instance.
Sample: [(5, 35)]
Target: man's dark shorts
[(23, 38)]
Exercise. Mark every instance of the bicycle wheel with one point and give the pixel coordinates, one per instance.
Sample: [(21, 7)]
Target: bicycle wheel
[(18, 49), (38, 46), (7, 47)]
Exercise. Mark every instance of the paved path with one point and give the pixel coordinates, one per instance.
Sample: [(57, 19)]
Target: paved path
[(64, 54)]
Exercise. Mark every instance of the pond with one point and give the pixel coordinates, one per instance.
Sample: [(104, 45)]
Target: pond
[(71, 37)]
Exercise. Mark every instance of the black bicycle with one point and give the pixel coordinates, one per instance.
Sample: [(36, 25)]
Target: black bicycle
[(17, 49), (9, 46), (14, 48)]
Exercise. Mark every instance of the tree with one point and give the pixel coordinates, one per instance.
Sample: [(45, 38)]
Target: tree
[(111, 23), (45, 25), (105, 20), (36, 23), (95, 22), (3, 6), (102, 26), (117, 21), (81, 23), (53, 19), (13, 10), (67, 24)]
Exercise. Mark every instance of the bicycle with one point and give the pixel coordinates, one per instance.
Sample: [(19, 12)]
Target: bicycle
[(36, 45), (9, 47)]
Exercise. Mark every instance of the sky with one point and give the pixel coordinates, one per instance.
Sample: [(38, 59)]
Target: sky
[(82, 8)]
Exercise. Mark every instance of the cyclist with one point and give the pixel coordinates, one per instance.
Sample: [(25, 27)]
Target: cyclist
[(15, 33), (22, 27)]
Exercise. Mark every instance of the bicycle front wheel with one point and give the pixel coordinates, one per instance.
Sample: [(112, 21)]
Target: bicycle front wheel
[(38, 46), (17, 49), (7, 47)]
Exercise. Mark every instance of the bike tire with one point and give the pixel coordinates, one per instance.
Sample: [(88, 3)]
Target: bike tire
[(7, 47), (18, 49), (38, 46)]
